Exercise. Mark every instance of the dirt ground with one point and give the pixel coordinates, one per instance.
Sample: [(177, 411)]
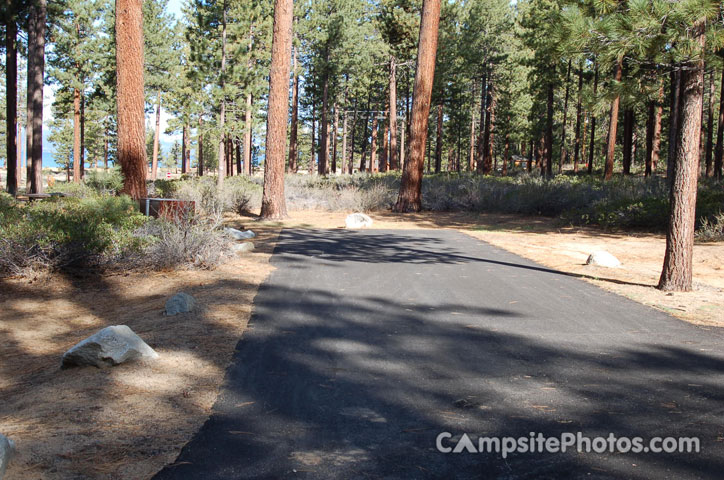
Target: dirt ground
[(129, 421), (124, 422)]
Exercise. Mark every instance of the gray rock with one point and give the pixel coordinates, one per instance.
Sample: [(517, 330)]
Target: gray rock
[(239, 248), (358, 220), (7, 450), (111, 346), (238, 234), (179, 303), (603, 259)]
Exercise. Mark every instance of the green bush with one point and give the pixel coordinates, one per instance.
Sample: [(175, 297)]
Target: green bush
[(64, 232), (108, 182)]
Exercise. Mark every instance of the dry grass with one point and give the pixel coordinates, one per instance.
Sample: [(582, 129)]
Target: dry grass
[(128, 421)]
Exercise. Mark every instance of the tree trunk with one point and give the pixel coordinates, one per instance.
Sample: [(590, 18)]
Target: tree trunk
[(530, 155), (719, 155), (29, 103), (354, 131), (650, 114), (613, 125), (402, 148), (490, 130), (392, 119), (577, 141), (248, 147), (11, 99), (471, 157), (373, 145), (549, 133), (438, 144), (385, 152), (295, 118), (677, 271), (335, 129), (273, 204), (673, 124), (410, 196), (365, 137), (592, 147), (481, 131), (201, 149), (323, 152), (237, 145), (184, 143), (82, 134), (564, 151), (312, 149), (710, 128), (344, 143), (129, 78), (656, 147), (506, 155), (222, 114), (76, 136), (105, 151), (154, 161), (628, 131)]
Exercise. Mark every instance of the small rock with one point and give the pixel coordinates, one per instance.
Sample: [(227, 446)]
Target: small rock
[(358, 220), (179, 303), (111, 346), (238, 234), (603, 259), (239, 248), (7, 450)]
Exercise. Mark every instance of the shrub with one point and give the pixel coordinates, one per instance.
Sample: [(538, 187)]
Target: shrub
[(711, 229), (235, 196), (187, 240), (66, 232)]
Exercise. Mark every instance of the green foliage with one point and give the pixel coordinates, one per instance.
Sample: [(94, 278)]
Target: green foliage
[(67, 232)]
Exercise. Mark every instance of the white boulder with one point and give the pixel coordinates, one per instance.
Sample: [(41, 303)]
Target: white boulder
[(238, 234), (240, 248), (179, 303), (7, 450), (358, 220), (111, 346), (603, 259)]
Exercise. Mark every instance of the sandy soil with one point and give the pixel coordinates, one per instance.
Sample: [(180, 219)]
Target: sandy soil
[(128, 421)]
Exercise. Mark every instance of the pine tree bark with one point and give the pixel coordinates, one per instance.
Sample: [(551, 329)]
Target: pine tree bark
[(156, 133), (438, 144), (36, 50), (273, 202), (29, 103), (82, 134), (11, 97), (184, 144), (385, 152), (549, 133), (295, 117), (373, 145), (577, 140), (483, 117), (673, 124), (335, 129), (76, 136), (222, 113), (324, 152), (354, 132), (710, 128), (676, 274), (613, 125), (392, 118), (312, 147), (628, 131), (490, 130), (471, 154), (506, 154), (564, 151), (719, 155), (248, 147), (237, 149), (592, 146), (129, 81), (201, 149), (410, 196), (344, 143)]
